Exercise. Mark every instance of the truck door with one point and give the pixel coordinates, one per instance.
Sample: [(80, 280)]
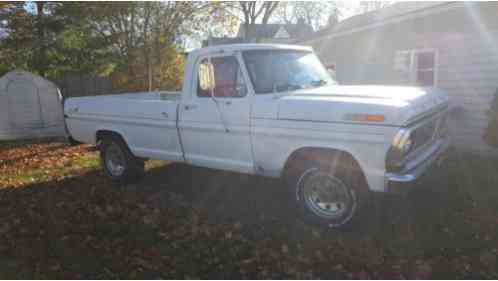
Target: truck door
[(215, 125)]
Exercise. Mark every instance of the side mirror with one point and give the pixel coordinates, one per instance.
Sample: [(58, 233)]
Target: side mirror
[(206, 76)]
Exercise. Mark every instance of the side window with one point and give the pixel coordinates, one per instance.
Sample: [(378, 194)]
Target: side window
[(425, 68), (418, 67), (229, 82)]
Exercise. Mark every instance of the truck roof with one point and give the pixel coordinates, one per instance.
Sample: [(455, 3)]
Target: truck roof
[(247, 46)]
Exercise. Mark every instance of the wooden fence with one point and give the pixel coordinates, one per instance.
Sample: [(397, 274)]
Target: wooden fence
[(84, 85)]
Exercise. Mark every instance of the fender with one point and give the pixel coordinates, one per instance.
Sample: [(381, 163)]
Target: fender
[(113, 129), (338, 148), (372, 168)]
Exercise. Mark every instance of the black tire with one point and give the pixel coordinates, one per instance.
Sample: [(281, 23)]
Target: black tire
[(131, 168), (344, 179), (73, 142)]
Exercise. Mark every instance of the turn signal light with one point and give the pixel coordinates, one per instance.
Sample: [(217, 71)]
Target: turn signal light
[(365, 117)]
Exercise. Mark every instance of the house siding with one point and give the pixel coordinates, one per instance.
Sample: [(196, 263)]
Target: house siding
[(465, 38)]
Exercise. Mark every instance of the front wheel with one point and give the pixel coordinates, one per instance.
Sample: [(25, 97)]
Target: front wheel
[(119, 164), (330, 195)]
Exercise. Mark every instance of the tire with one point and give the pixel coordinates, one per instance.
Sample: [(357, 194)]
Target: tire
[(117, 161), (331, 193), (73, 142)]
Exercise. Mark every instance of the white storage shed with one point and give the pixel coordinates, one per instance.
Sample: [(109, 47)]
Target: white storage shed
[(30, 107)]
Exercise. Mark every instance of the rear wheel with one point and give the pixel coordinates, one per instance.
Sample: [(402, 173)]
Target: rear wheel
[(119, 164)]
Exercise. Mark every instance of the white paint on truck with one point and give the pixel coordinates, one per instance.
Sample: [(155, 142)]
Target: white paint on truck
[(255, 131)]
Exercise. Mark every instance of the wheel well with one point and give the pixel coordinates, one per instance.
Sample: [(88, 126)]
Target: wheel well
[(321, 155), (101, 134)]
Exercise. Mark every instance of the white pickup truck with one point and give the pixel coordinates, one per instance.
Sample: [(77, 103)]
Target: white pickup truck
[(273, 110)]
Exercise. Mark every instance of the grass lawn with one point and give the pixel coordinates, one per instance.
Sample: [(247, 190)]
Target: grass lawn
[(61, 218)]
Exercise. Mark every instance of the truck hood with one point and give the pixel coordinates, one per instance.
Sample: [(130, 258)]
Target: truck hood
[(397, 105)]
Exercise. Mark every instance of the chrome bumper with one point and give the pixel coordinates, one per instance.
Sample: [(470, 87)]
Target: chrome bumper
[(414, 169)]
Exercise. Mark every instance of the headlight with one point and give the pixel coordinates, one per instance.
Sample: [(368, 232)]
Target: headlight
[(400, 147), (403, 141)]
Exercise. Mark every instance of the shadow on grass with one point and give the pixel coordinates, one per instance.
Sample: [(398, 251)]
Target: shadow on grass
[(84, 226)]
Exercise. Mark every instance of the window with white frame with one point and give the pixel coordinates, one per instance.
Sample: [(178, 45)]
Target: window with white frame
[(418, 66)]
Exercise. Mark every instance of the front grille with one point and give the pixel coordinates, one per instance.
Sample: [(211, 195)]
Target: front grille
[(442, 129), (425, 133), (422, 136)]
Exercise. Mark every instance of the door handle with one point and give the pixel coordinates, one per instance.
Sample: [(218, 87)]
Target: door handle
[(165, 114), (228, 103), (190, 106)]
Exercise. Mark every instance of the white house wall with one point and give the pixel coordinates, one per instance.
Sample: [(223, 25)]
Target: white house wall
[(467, 56)]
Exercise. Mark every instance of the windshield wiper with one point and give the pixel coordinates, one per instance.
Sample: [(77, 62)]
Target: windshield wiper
[(319, 83), (285, 87)]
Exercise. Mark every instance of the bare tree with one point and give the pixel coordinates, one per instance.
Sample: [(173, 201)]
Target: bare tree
[(316, 14), (253, 10)]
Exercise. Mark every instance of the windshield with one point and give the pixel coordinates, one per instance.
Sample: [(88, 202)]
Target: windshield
[(285, 70)]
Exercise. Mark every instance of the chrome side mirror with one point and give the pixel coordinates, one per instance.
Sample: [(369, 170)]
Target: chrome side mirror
[(206, 76)]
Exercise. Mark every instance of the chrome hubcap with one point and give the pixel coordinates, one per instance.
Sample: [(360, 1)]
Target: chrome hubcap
[(326, 195), (115, 160)]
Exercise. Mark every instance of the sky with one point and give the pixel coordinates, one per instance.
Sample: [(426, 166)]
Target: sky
[(351, 8)]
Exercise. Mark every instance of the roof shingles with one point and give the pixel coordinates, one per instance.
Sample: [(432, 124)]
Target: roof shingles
[(258, 31), (377, 16)]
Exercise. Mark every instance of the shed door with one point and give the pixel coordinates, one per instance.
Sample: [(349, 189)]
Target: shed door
[(24, 105)]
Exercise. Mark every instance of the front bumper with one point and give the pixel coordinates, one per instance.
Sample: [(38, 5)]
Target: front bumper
[(405, 180)]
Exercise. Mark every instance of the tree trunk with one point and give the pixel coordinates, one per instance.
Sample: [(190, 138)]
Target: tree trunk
[(269, 9), (41, 50), (148, 67)]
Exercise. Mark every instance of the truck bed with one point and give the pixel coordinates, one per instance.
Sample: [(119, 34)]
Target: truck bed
[(140, 105), (146, 120), (160, 95)]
